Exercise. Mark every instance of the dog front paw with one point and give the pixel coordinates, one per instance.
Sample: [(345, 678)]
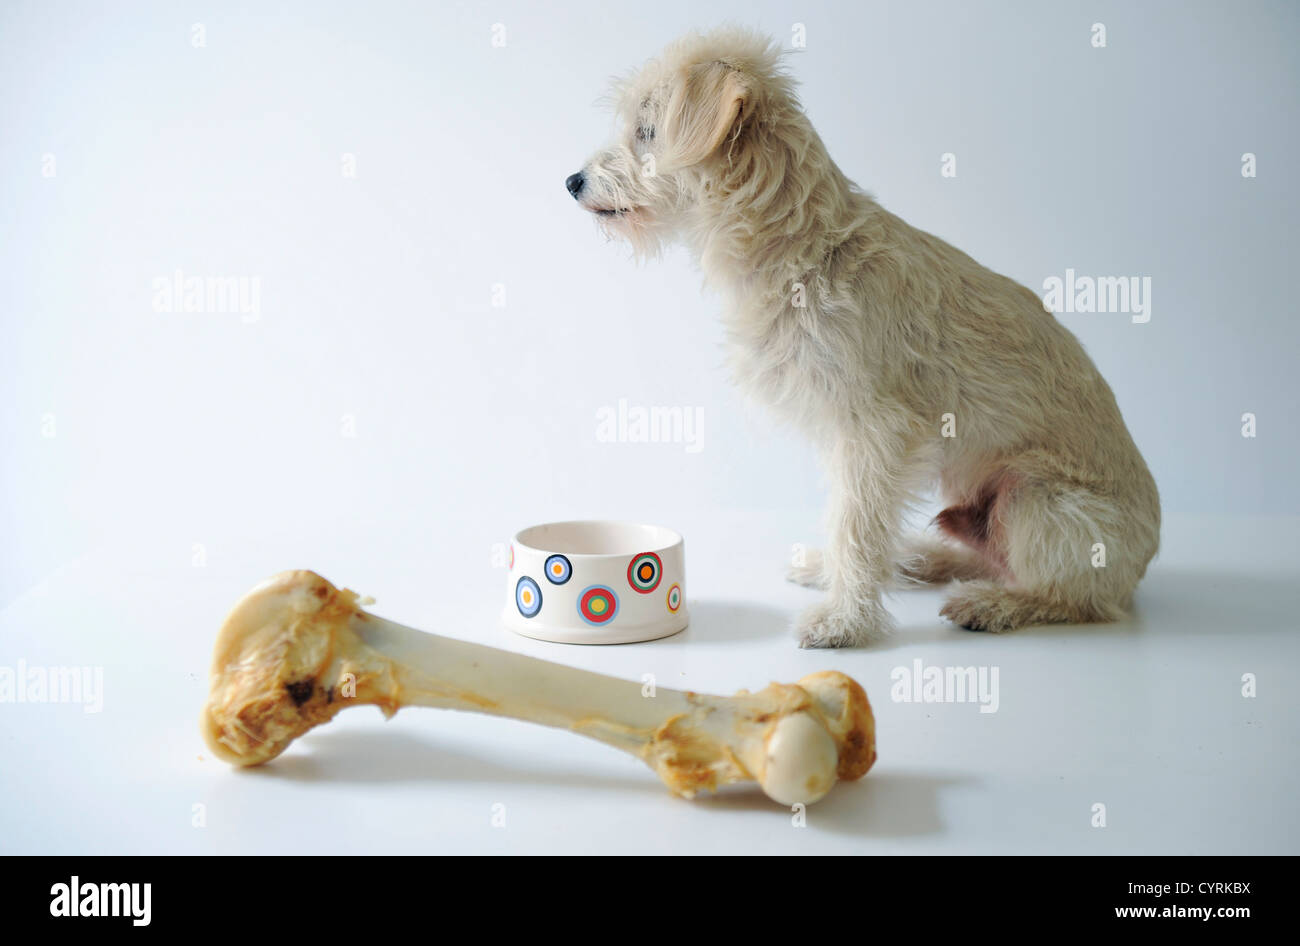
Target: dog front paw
[(807, 568), (831, 625)]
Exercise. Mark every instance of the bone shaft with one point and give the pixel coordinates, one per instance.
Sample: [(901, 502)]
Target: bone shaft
[(452, 674)]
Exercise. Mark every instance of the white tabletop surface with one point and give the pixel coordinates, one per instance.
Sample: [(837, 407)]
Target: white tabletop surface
[(1147, 717)]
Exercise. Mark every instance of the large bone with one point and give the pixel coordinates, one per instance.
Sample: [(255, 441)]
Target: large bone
[(296, 650)]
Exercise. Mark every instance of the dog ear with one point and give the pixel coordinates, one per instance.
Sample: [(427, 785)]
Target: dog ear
[(708, 107)]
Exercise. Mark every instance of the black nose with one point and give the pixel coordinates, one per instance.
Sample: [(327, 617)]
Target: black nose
[(575, 182)]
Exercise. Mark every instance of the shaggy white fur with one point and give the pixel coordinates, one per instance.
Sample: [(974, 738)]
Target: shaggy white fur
[(866, 332)]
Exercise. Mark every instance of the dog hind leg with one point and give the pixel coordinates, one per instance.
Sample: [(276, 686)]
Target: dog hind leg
[(991, 606), (1072, 556)]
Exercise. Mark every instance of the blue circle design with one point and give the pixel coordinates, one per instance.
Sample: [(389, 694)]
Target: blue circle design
[(558, 570), (528, 597)]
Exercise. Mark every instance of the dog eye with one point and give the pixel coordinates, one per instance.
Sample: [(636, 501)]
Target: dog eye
[(644, 133)]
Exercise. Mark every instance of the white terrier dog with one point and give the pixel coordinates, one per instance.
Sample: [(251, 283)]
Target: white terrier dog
[(908, 363)]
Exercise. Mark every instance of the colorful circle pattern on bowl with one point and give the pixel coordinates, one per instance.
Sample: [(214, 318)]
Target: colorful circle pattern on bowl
[(528, 597), (628, 587), (558, 569), (598, 605), (644, 572)]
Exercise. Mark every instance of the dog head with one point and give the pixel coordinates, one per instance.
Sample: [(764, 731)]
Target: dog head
[(689, 125)]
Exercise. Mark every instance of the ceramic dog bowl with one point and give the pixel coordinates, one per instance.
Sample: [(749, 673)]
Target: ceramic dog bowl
[(596, 582)]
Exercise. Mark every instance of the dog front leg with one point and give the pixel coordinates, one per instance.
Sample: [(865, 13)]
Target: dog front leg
[(865, 510)]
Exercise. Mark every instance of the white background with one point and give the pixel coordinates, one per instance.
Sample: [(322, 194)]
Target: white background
[(157, 464)]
